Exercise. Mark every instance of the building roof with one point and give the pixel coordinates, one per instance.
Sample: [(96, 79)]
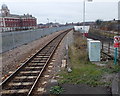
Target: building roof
[(4, 6)]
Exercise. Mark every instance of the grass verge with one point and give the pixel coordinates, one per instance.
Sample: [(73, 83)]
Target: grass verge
[(83, 71)]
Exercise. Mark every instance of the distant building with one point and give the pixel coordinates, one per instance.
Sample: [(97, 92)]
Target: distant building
[(48, 25), (13, 22)]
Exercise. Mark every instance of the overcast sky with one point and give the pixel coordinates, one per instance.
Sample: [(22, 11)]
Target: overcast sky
[(64, 10)]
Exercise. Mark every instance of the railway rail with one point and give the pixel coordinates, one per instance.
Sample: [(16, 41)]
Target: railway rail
[(109, 53), (24, 79)]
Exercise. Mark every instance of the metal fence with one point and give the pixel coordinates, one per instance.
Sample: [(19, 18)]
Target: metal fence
[(14, 39)]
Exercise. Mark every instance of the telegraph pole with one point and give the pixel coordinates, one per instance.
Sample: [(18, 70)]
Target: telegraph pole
[(84, 6), (119, 31)]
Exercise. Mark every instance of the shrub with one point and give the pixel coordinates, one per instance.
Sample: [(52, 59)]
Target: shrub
[(56, 90)]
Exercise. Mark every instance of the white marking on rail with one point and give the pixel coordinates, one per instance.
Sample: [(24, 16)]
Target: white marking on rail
[(25, 72), (3, 78), (33, 67), (22, 90), (42, 60), (49, 70), (25, 77), (41, 89), (50, 66), (14, 91), (64, 62), (21, 83), (51, 63), (37, 64), (44, 83), (55, 53), (10, 72), (53, 60), (43, 56), (46, 76)]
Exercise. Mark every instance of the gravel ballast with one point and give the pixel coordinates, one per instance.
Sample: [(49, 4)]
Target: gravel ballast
[(12, 59)]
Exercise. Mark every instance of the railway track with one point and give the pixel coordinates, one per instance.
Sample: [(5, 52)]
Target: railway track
[(24, 79), (109, 54)]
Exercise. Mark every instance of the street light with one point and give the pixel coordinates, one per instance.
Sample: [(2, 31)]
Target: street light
[(55, 26), (48, 21), (118, 27), (55, 23), (84, 14)]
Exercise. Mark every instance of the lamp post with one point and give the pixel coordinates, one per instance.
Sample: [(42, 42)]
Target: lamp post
[(119, 30), (83, 17), (84, 5), (48, 21), (55, 26)]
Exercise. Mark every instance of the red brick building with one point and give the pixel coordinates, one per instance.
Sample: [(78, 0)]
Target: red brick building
[(13, 22)]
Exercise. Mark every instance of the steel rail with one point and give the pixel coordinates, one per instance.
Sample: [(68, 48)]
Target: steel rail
[(44, 67), (109, 55), (12, 75), (6, 81)]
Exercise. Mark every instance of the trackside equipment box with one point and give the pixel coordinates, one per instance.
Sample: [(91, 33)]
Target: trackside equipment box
[(94, 50), (88, 40)]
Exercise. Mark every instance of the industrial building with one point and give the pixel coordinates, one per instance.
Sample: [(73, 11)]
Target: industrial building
[(13, 22)]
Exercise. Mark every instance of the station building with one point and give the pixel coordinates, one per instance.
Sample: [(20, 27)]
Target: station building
[(13, 22)]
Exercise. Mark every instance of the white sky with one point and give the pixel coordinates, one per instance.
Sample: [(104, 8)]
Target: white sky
[(64, 10), (57, 0)]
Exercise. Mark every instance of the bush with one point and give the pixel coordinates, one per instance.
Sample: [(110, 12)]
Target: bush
[(56, 90)]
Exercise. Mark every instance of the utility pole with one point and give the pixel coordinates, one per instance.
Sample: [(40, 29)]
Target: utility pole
[(109, 43), (119, 31), (84, 6), (119, 43), (55, 26), (83, 18), (48, 22)]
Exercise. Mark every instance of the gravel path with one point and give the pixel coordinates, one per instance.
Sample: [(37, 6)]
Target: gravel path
[(12, 59), (61, 52)]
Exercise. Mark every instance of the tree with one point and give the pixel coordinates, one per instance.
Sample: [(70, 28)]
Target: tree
[(98, 22)]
